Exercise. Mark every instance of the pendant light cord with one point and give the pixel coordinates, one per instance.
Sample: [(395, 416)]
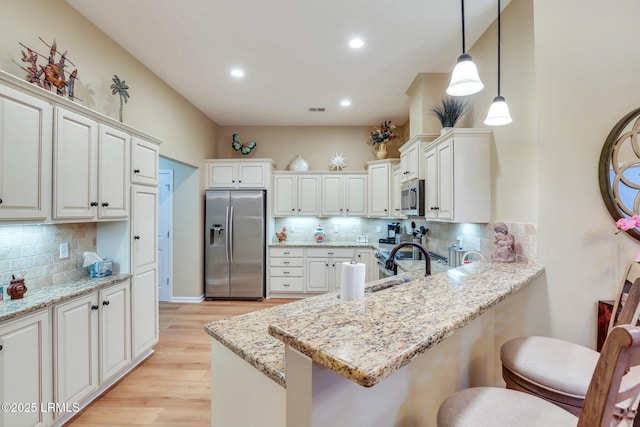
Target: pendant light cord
[(463, 49), (498, 47)]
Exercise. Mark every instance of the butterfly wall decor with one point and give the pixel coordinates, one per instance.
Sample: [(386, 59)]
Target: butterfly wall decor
[(244, 147)]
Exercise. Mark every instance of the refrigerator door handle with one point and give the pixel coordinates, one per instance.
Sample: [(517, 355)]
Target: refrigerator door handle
[(226, 235), (230, 240)]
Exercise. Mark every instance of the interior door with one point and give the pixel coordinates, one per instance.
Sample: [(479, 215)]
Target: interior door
[(165, 215)]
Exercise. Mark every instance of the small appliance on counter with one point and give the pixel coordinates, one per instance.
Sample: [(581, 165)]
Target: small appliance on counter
[(393, 232), (362, 239), (455, 255)]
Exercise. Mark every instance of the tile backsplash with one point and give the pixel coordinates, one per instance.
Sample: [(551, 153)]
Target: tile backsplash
[(35, 250), (441, 235)]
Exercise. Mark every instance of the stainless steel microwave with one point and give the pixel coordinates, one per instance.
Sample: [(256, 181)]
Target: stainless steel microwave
[(412, 198)]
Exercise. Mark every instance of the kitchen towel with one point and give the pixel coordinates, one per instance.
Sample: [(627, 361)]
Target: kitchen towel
[(352, 284)]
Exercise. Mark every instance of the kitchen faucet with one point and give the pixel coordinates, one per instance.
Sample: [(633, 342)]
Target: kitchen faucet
[(390, 263)]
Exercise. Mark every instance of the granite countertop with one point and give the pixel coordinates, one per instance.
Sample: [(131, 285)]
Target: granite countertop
[(369, 338), (35, 299)]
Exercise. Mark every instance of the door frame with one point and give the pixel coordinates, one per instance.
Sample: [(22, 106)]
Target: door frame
[(168, 268)]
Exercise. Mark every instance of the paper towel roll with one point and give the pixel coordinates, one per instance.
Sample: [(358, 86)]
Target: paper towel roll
[(352, 280)]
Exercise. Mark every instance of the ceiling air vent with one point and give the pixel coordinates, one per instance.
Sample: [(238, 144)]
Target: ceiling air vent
[(317, 109)]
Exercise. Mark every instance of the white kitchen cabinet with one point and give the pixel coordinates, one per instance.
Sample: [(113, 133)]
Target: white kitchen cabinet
[(113, 173), (344, 195), (380, 188), (458, 176), (25, 369), (75, 166), (92, 342), (411, 157), (226, 173), (26, 130), (76, 349), (286, 270), (144, 162), (366, 256), (83, 149), (144, 261), (296, 194), (396, 205), (324, 268), (115, 329)]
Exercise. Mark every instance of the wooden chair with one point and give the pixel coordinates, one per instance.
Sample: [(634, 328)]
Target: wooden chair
[(560, 371), (611, 396)]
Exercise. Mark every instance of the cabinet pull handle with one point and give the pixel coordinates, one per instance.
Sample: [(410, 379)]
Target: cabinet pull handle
[(136, 237), (286, 285), (94, 203), (94, 307), (136, 171), (286, 253), (286, 262), (329, 253), (105, 205), (105, 302), (285, 272)]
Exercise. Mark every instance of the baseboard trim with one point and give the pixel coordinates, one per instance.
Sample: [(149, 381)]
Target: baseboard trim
[(191, 300)]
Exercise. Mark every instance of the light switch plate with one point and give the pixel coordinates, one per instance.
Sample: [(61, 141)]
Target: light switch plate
[(64, 250)]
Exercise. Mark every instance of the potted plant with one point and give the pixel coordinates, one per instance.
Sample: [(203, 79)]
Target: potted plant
[(450, 111), (380, 136)]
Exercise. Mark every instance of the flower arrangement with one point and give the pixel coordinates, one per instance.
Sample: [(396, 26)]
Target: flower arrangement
[(382, 134), (625, 224)]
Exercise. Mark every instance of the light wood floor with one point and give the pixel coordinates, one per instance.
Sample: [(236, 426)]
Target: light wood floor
[(172, 387)]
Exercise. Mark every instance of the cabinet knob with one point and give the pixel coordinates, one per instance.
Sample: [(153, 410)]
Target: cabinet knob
[(299, 209), (326, 265), (136, 171), (385, 210), (0, 347), (105, 204), (233, 180), (105, 302), (0, 201), (293, 209), (94, 307), (239, 181), (94, 203), (136, 237)]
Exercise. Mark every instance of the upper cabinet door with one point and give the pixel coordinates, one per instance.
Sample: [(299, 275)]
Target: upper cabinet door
[(356, 195), (26, 129), (332, 194), (144, 162), (284, 195), (113, 191), (75, 162)]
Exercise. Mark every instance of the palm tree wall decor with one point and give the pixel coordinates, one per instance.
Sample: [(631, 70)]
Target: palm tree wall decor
[(120, 88)]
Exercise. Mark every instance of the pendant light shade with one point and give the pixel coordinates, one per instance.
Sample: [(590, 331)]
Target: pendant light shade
[(498, 113), (464, 78)]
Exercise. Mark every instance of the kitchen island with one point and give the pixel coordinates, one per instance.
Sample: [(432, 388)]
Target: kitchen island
[(377, 360)]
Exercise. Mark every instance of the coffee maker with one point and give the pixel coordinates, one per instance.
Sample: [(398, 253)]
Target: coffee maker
[(393, 232)]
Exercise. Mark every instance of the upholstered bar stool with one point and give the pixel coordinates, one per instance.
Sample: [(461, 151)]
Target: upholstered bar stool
[(608, 391), (560, 371)]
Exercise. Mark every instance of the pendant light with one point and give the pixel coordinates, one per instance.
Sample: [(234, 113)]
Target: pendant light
[(498, 114), (464, 78)]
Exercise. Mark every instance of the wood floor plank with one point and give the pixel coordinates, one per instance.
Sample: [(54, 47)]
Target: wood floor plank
[(172, 387)]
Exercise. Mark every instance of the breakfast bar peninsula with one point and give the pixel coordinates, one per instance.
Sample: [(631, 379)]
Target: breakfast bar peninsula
[(388, 358)]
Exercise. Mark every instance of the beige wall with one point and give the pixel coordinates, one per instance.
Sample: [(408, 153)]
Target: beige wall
[(569, 74), (316, 144), (154, 108)]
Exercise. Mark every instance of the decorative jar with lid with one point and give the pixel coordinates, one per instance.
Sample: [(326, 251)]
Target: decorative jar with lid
[(319, 234)]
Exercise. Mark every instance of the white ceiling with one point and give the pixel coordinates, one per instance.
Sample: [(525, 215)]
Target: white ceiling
[(294, 53)]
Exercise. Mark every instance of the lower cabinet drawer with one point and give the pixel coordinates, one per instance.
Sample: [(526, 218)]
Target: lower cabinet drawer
[(286, 272), (287, 262), (293, 284), (331, 252)]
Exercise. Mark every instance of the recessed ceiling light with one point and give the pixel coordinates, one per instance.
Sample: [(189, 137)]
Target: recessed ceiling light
[(345, 102), (236, 72), (356, 43)]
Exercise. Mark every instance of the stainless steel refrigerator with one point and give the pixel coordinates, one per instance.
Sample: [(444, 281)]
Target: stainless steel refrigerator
[(235, 244)]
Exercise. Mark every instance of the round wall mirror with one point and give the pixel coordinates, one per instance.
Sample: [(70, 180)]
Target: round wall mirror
[(619, 169)]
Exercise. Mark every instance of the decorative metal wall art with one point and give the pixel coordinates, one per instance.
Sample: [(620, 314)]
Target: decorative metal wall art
[(243, 147), (120, 88), (53, 74)]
